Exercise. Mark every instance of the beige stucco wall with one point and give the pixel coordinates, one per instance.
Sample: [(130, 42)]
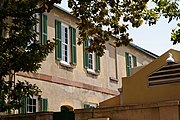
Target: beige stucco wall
[(80, 87), (59, 95), (78, 73), (137, 91)]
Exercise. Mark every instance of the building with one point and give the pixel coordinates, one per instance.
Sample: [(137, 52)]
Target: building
[(71, 78), (157, 82), (153, 83), (150, 93)]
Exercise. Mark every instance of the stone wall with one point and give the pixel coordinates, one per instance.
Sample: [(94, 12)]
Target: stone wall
[(158, 111), (30, 116)]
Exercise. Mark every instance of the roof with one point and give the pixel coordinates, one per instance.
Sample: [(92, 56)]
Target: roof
[(131, 44), (144, 50), (63, 10)]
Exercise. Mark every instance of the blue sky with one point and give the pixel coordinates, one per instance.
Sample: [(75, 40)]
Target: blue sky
[(152, 38)]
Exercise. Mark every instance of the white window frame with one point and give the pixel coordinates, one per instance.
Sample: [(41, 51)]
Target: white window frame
[(35, 28), (63, 61), (92, 60), (131, 61), (28, 105)]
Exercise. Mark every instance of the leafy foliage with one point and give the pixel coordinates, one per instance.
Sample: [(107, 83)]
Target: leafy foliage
[(104, 18), (11, 94), (20, 50)]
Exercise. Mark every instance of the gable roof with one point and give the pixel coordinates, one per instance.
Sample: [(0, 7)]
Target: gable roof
[(144, 50)]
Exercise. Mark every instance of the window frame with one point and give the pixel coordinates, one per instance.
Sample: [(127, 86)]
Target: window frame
[(131, 65), (63, 60), (61, 43), (95, 69), (92, 69), (28, 105), (131, 62)]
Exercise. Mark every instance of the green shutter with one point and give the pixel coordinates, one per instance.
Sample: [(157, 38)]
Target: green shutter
[(44, 29), (97, 63), (134, 61), (85, 45), (44, 104), (127, 64), (73, 32), (58, 40), (23, 108)]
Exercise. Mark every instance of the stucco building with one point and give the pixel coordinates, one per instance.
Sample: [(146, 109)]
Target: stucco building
[(150, 93), (70, 77)]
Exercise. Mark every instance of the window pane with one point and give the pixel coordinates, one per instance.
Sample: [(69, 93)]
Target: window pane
[(30, 101), (34, 101), (31, 105), (90, 60), (30, 109), (34, 108), (65, 45)]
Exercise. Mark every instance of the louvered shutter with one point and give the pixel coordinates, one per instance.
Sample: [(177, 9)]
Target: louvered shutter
[(73, 32), (127, 64), (44, 29), (85, 45), (97, 63), (23, 108), (134, 61), (44, 104), (58, 40)]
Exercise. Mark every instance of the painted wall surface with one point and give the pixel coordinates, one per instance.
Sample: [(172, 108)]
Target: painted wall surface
[(73, 85), (137, 91)]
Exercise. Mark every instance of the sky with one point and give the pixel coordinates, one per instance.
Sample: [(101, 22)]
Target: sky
[(155, 39)]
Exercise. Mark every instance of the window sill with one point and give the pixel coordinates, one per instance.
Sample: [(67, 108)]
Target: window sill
[(90, 71), (113, 80), (65, 64)]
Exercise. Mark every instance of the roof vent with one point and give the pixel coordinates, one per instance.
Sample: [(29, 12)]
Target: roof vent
[(170, 59)]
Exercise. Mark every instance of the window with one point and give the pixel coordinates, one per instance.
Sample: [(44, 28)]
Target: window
[(36, 30), (91, 60), (90, 105), (36, 27), (34, 104), (131, 62), (65, 43)]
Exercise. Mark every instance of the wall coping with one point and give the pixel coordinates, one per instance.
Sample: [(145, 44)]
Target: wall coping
[(129, 107), (26, 114)]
